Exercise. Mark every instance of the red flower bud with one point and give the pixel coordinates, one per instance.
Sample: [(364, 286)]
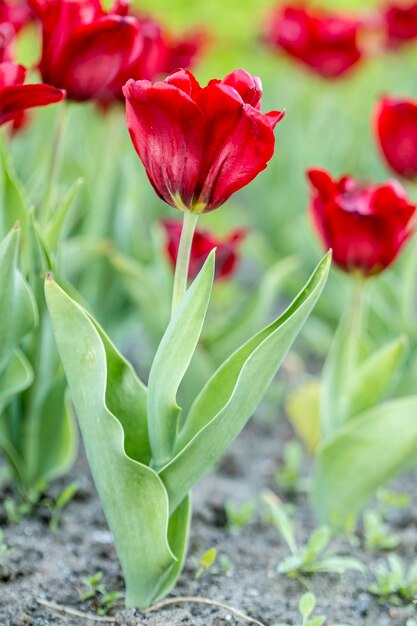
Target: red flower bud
[(16, 97), (400, 23), (200, 145), (365, 225), (227, 250), (327, 43), (396, 130), (91, 53)]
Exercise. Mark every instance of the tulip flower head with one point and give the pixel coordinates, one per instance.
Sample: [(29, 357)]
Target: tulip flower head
[(400, 23), (365, 225), (91, 53), (326, 43), (15, 97), (227, 249), (396, 131), (199, 145)]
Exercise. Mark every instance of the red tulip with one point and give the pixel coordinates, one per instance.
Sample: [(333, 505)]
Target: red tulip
[(365, 225), (227, 250), (200, 144), (400, 23), (16, 97), (396, 130), (91, 53), (15, 13), (7, 34), (325, 42)]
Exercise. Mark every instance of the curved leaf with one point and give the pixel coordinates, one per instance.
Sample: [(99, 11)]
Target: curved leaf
[(171, 362), (132, 495), (367, 453), (234, 392)]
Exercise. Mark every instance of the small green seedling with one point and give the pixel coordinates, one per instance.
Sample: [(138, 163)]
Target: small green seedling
[(306, 607), (58, 504), (103, 601), (312, 558), (239, 516), (393, 583), (205, 562), (16, 510), (389, 499), (377, 534), (4, 549), (289, 477)]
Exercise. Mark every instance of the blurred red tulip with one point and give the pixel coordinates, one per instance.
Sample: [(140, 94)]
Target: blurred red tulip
[(7, 34), (16, 97), (15, 13), (396, 130), (365, 225), (200, 145), (91, 53), (227, 249), (400, 23), (327, 43)]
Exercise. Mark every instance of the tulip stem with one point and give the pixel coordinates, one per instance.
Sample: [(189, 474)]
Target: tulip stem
[(183, 259), (54, 163)]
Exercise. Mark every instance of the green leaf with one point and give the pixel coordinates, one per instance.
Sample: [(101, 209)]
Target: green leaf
[(132, 495), (317, 621), (171, 362), (56, 223), (18, 313), (233, 393), (12, 200), (17, 376), (338, 564), (303, 409), (373, 379), (318, 542), (366, 454), (281, 520), (307, 605)]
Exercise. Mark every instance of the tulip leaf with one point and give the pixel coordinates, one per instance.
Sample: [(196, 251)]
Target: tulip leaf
[(233, 393), (373, 378), (366, 453), (303, 409), (56, 223), (171, 362), (12, 199), (18, 313), (106, 396), (17, 376)]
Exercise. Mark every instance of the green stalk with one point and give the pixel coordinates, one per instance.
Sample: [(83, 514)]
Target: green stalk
[(54, 163), (183, 259)]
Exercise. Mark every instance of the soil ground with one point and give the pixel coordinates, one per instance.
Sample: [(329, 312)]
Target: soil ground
[(51, 567)]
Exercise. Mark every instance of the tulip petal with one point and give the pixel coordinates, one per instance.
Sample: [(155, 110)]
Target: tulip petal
[(166, 128), (21, 97), (96, 55), (239, 144), (396, 125)]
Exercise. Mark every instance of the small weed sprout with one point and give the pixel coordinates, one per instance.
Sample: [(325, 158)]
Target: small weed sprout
[(103, 601), (205, 562), (4, 549), (389, 499), (58, 504), (306, 607), (377, 534), (312, 558), (239, 516), (288, 477), (395, 584)]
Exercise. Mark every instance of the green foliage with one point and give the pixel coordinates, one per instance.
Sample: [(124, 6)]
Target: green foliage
[(58, 504), (3, 547), (103, 601), (289, 477), (147, 506), (394, 583), (205, 562), (312, 558), (239, 516), (306, 608), (377, 534)]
